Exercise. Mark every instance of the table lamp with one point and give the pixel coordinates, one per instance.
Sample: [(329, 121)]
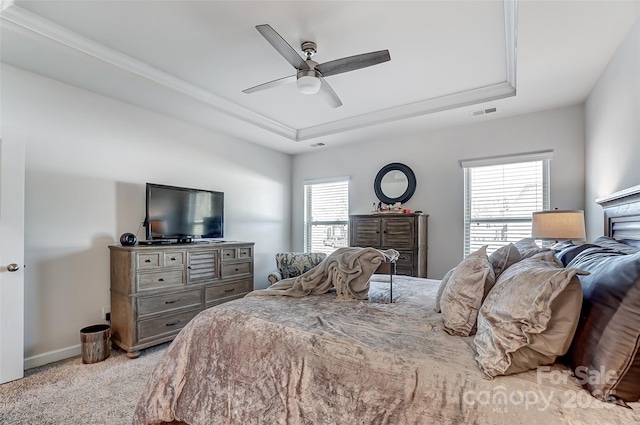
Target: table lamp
[(558, 225)]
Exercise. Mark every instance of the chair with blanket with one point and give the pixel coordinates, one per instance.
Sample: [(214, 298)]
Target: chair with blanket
[(293, 264)]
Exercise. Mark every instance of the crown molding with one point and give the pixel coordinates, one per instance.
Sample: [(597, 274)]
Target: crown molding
[(410, 110), (39, 25), (5, 4), (511, 40)]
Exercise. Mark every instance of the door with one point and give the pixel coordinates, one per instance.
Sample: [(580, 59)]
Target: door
[(12, 157), (398, 232), (364, 231)]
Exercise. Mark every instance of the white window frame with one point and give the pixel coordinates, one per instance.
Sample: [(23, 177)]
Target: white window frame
[(467, 165), (309, 221)]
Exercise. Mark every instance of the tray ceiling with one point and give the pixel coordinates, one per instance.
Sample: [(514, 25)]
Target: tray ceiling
[(192, 59)]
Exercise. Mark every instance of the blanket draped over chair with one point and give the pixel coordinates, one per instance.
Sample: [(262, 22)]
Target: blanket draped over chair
[(346, 269)]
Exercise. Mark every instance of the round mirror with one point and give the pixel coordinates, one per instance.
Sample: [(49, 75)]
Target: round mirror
[(395, 182)]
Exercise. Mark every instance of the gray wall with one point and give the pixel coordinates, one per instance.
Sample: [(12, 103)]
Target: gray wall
[(88, 158), (434, 156), (612, 137)]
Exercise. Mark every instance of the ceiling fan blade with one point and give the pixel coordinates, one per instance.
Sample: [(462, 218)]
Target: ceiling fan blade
[(275, 83), (352, 63), (282, 46), (327, 93)]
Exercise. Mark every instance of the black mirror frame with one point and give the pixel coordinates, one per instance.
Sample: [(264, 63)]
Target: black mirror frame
[(411, 183)]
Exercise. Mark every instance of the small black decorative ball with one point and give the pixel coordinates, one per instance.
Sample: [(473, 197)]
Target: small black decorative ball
[(128, 239)]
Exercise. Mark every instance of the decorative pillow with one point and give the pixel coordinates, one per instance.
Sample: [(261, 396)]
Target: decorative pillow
[(294, 264), (504, 257), (548, 256), (521, 305), (462, 297), (608, 335), (544, 348), (528, 247), (443, 284), (607, 242), (567, 251)]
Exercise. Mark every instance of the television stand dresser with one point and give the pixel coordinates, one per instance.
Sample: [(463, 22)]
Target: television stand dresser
[(157, 289)]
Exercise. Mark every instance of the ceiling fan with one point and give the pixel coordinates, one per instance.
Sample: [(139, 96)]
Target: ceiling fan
[(310, 74)]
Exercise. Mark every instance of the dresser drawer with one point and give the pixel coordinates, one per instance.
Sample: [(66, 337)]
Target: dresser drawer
[(160, 279), (235, 269), (403, 271), (229, 254), (173, 258), (230, 289), (171, 323), (166, 302), (148, 260), (245, 253), (405, 259), (222, 300)]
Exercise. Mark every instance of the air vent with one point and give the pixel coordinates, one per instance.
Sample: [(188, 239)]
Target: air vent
[(317, 145), (482, 112)]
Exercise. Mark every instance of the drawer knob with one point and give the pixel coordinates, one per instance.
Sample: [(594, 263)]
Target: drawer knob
[(147, 261), (161, 280), (230, 290), (244, 253), (173, 323), (237, 269), (403, 258), (173, 258), (227, 254), (172, 302)]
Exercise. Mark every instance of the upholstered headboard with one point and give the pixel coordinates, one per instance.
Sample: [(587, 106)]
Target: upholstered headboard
[(622, 214)]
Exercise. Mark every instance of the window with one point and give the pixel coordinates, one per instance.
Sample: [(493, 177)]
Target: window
[(326, 215), (500, 194)]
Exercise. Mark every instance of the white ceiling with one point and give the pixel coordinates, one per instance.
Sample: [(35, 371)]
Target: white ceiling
[(192, 59)]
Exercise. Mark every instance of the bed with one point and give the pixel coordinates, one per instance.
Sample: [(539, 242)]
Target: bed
[(312, 360)]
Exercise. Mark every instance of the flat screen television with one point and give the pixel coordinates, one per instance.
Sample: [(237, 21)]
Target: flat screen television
[(183, 214)]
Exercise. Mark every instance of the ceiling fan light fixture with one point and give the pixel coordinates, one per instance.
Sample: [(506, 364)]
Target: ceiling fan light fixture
[(309, 81)]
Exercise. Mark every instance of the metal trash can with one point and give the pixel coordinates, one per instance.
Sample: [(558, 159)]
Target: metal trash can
[(95, 343)]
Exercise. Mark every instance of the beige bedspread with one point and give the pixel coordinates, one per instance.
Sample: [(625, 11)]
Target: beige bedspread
[(312, 360)]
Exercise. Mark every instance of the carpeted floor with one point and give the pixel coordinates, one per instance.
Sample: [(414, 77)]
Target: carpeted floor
[(69, 392)]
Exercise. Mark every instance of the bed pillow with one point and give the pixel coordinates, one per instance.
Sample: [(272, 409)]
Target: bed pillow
[(608, 335), (467, 287), (504, 257), (528, 247), (549, 256), (607, 242), (520, 324), (443, 284), (567, 251)]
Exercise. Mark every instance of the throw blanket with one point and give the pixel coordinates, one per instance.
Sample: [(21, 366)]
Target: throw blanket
[(346, 269)]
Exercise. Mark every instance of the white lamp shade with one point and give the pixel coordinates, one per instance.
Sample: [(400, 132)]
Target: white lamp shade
[(558, 225), (308, 84)]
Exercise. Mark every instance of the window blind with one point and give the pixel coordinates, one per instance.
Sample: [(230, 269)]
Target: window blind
[(326, 207), (499, 200)]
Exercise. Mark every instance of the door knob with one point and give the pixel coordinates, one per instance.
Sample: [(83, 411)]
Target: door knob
[(13, 267)]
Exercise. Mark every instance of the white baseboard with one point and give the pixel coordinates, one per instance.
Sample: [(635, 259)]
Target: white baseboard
[(51, 356)]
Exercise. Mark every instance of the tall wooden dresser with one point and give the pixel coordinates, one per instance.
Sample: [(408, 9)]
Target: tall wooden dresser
[(406, 233), (156, 290)]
